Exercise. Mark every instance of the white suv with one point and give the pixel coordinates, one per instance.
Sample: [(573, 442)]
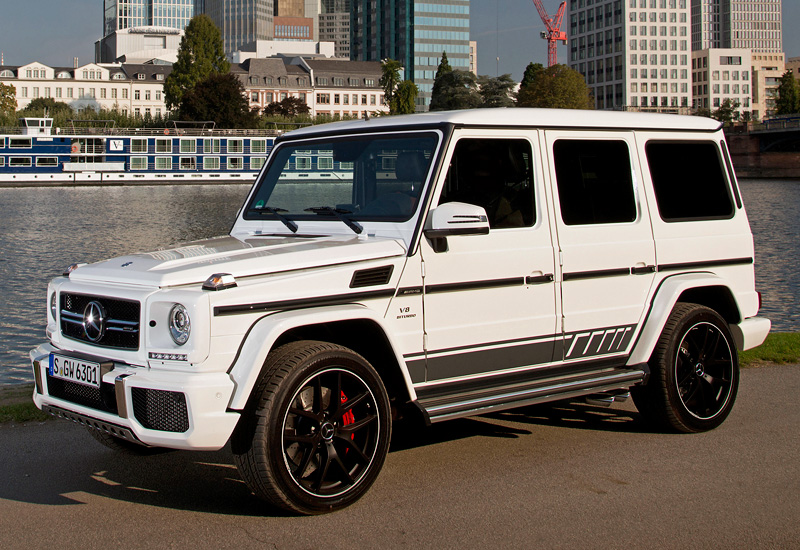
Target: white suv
[(434, 266)]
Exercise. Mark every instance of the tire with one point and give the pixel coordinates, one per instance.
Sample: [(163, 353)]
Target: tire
[(303, 451), (694, 372), (124, 446)]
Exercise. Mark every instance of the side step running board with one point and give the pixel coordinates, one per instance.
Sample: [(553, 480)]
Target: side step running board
[(615, 381)]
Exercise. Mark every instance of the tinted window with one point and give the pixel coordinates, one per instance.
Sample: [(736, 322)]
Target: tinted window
[(495, 174), (594, 181), (689, 180)]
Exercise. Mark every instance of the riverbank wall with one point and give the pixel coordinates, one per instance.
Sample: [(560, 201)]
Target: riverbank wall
[(751, 162)]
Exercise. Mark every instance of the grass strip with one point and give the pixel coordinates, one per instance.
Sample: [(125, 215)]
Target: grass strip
[(778, 348)]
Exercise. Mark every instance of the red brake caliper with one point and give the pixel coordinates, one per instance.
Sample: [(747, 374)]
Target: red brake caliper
[(348, 418)]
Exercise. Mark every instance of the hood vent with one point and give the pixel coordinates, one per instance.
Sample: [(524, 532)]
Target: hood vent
[(372, 277)]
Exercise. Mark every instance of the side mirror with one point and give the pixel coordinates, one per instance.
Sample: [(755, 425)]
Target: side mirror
[(456, 218)]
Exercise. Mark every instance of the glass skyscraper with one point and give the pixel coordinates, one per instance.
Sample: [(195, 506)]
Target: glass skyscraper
[(242, 21), (414, 33), (126, 14)]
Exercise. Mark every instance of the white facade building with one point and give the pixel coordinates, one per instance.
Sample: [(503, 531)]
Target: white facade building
[(719, 74), (132, 89), (633, 53)]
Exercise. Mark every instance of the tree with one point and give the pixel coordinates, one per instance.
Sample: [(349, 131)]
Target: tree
[(53, 108), (219, 97), (727, 112), (437, 98), (497, 91), (458, 90), (390, 78), (556, 87), (8, 101), (404, 101), (288, 107), (200, 55), (532, 72), (788, 101)]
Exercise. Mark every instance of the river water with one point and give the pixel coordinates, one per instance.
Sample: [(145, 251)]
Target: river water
[(43, 230)]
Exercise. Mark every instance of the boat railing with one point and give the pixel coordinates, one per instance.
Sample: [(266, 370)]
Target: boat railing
[(161, 132)]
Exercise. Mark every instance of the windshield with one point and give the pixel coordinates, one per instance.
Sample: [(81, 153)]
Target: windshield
[(361, 178)]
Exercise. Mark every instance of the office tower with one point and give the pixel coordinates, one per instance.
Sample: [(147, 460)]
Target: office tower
[(126, 14), (633, 53), (749, 30), (414, 33), (242, 21), (334, 25), (751, 24)]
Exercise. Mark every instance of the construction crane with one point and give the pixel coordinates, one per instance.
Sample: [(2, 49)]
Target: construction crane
[(554, 32)]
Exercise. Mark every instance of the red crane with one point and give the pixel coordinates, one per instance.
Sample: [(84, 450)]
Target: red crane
[(554, 32)]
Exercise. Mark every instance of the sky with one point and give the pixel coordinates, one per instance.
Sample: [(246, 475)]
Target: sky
[(55, 31)]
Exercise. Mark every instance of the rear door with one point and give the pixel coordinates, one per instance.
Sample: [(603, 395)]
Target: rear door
[(605, 241)]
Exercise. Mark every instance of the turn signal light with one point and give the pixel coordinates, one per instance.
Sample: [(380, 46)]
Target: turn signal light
[(219, 281)]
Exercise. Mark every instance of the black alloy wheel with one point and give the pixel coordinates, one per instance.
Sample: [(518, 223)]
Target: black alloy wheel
[(694, 372), (316, 430)]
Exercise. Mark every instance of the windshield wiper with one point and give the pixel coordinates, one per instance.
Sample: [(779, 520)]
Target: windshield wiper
[(277, 213), (339, 213)]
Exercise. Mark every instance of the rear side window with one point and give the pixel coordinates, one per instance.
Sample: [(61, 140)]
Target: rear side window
[(594, 181), (689, 180)]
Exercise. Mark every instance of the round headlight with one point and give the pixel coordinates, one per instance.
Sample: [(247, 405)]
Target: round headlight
[(179, 324), (53, 306)]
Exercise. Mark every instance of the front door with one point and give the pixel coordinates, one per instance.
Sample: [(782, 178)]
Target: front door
[(490, 300)]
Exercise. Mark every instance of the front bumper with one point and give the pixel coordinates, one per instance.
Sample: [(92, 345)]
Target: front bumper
[(156, 408)]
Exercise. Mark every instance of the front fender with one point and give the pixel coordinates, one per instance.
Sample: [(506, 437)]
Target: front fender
[(666, 296), (262, 336)]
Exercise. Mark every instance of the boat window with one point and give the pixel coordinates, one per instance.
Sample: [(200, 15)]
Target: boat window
[(188, 163), (688, 180), (163, 163), (46, 161), (2, 142), (211, 163), (188, 146), (163, 146), (2, 161), (212, 145), (258, 145), (256, 163), (19, 162), (594, 181), (235, 146), (20, 143), (138, 163), (235, 163), (138, 146)]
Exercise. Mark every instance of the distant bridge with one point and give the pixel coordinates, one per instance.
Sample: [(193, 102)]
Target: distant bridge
[(770, 149)]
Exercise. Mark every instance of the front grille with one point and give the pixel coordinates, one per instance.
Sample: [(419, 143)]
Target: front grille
[(102, 399), (120, 326), (160, 409)]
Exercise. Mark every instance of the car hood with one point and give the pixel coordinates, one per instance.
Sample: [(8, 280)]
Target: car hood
[(257, 255)]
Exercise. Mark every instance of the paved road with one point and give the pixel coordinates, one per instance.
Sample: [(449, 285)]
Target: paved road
[(564, 476)]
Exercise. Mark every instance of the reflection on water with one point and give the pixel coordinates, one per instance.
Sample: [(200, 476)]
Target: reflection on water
[(773, 207), (45, 229)]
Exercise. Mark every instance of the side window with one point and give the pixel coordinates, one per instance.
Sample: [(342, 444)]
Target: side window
[(594, 181), (496, 174), (688, 180)]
